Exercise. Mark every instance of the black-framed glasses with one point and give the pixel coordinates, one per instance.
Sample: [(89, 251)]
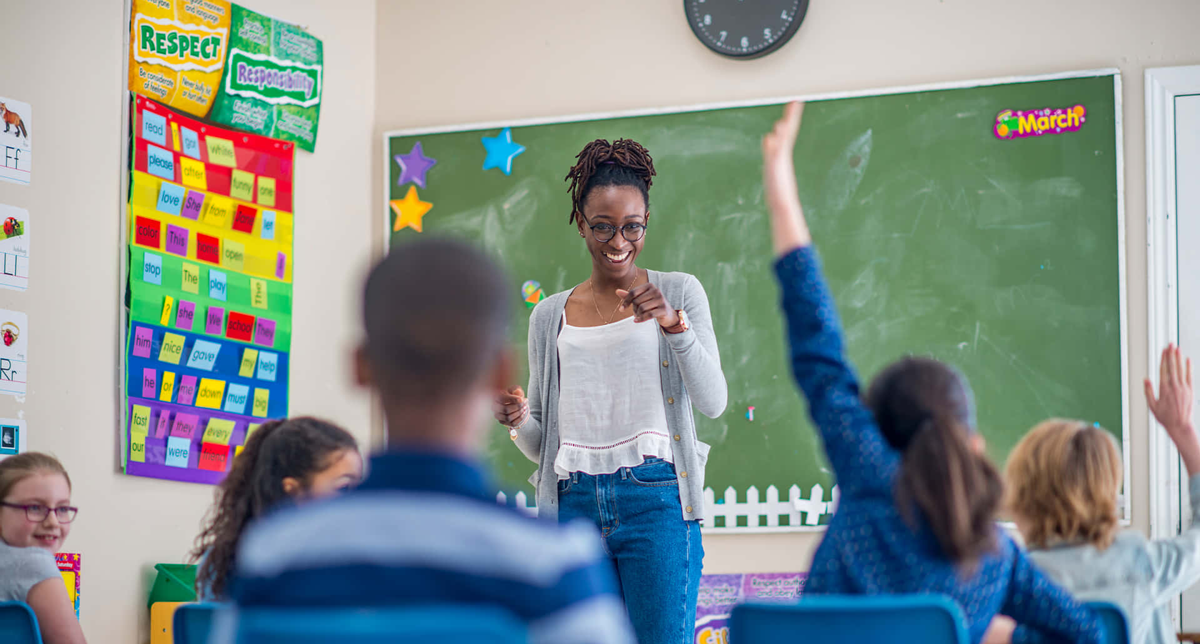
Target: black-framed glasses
[(36, 512), (605, 232)]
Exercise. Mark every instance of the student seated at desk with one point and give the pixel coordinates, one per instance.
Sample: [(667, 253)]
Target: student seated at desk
[(1065, 476), (918, 498), (285, 461), (35, 519), (424, 527)]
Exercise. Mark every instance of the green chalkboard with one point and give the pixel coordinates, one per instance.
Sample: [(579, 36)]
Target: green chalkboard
[(1001, 256)]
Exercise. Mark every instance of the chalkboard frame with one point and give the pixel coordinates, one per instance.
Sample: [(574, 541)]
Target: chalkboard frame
[(795, 524)]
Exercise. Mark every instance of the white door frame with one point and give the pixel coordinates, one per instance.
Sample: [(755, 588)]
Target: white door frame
[(1163, 85)]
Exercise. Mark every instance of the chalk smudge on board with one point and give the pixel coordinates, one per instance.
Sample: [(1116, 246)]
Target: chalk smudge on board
[(847, 172)]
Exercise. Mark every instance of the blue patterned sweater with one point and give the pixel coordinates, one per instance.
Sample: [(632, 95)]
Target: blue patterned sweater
[(868, 548)]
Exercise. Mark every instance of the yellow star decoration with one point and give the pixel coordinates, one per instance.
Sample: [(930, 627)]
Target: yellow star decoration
[(409, 210)]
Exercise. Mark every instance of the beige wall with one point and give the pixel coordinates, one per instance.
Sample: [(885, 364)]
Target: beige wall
[(65, 58), (482, 60), (435, 63)]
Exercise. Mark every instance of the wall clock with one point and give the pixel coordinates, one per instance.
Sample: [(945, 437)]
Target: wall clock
[(745, 28)]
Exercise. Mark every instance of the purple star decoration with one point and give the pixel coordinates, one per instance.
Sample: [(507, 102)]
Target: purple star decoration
[(413, 166)]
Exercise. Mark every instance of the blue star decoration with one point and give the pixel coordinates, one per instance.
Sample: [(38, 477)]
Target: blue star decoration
[(501, 151)]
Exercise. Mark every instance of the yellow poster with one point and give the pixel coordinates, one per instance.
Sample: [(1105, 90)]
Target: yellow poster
[(177, 51)]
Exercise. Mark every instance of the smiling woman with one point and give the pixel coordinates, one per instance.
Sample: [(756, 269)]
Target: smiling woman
[(615, 365)]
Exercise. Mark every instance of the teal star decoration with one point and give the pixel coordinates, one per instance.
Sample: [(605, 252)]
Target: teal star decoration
[(501, 151)]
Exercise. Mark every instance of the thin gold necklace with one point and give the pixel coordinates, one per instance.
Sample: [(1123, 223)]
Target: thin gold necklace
[(592, 282)]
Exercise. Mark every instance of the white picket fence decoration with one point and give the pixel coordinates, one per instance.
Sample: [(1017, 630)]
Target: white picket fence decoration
[(804, 514)]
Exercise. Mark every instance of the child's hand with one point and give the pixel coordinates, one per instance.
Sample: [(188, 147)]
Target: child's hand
[(779, 143), (779, 182), (511, 406), (1173, 405), (1000, 631)]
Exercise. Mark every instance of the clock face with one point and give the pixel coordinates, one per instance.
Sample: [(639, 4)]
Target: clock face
[(745, 28)]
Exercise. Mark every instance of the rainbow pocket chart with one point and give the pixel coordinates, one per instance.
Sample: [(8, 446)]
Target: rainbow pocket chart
[(209, 293)]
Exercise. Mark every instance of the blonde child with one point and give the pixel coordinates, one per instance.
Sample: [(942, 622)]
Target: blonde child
[(1064, 477), (35, 519)]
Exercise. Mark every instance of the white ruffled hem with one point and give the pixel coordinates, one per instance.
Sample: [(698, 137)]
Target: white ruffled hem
[(607, 459)]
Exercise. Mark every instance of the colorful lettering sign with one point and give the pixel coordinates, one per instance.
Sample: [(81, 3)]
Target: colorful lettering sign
[(177, 51), (1019, 124), (272, 81)]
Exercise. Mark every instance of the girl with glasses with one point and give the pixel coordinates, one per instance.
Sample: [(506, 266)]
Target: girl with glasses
[(615, 366), (35, 518)]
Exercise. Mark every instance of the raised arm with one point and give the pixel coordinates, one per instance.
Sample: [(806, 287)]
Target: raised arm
[(861, 460), (1176, 561), (1043, 611)]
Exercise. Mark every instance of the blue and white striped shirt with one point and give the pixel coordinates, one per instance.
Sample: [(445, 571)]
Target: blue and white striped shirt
[(423, 529)]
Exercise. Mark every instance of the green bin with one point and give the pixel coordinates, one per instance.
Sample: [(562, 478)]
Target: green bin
[(174, 583)]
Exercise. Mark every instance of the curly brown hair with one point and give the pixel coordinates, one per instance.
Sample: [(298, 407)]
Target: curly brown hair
[(293, 447), (623, 162)]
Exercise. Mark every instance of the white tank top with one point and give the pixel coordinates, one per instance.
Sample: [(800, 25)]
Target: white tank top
[(610, 405)]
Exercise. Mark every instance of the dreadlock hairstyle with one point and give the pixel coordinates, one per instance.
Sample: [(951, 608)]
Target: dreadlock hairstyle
[(292, 447), (623, 162)]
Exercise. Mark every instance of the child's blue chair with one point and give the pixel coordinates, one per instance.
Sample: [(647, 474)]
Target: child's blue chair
[(18, 624), (836, 619), (192, 623), (1114, 620), (444, 624)]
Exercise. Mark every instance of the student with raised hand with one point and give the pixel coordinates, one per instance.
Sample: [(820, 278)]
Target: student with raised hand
[(918, 498), (424, 527), (1064, 478), (35, 519), (291, 460)]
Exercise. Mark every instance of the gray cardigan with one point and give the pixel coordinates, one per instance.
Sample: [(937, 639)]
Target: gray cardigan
[(1141, 576), (691, 375)]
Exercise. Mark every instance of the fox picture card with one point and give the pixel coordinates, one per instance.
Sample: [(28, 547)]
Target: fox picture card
[(16, 140)]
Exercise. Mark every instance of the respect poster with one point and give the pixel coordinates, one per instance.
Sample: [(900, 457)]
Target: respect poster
[(272, 82), (209, 293), (177, 51)]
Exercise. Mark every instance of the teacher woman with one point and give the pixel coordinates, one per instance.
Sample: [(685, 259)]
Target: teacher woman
[(615, 366)]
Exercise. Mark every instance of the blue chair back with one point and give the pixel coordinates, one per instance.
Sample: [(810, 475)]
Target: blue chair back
[(834, 619), (18, 624), (192, 623), (406, 625), (1114, 620)]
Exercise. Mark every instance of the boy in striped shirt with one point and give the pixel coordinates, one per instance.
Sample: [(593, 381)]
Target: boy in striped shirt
[(424, 527)]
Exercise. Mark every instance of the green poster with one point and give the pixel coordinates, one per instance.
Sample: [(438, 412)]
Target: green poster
[(272, 83)]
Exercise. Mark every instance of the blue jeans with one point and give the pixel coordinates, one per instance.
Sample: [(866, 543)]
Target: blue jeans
[(658, 555)]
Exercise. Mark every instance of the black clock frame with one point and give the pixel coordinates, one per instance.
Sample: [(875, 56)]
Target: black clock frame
[(788, 33)]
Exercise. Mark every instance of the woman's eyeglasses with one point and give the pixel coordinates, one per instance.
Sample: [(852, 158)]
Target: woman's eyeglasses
[(605, 232), (36, 512)]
